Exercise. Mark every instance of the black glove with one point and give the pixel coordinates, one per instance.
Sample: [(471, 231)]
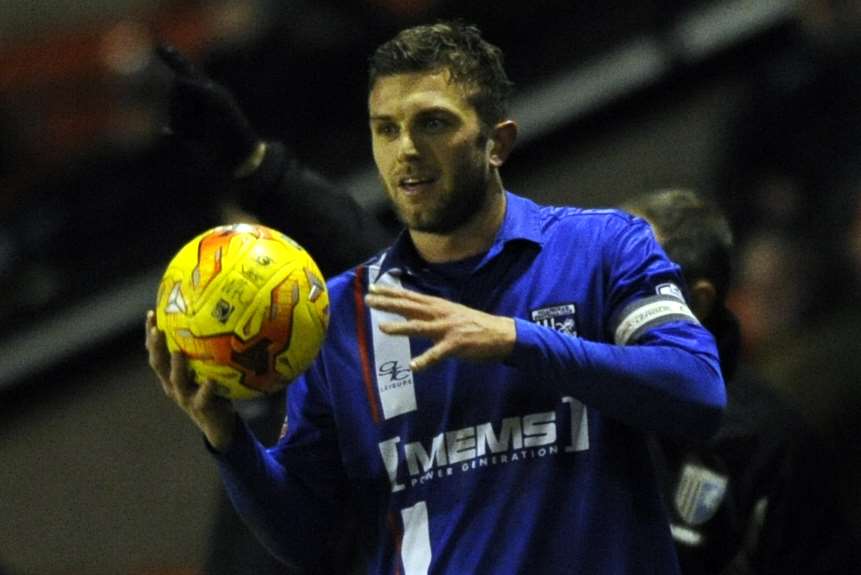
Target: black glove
[(206, 115)]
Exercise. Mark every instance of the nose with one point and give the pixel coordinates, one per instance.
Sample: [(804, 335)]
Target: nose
[(406, 146)]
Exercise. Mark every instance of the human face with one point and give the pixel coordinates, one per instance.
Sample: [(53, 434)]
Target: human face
[(432, 154)]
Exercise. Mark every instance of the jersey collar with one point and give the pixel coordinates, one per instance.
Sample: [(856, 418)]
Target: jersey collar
[(522, 223)]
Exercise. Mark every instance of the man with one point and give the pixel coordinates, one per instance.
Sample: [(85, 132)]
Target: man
[(482, 400), (759, 496)]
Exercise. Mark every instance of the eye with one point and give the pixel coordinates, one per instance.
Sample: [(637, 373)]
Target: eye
[(386, 130), (434, 124)]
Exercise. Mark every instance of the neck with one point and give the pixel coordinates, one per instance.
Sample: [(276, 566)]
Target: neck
[(472, 238)]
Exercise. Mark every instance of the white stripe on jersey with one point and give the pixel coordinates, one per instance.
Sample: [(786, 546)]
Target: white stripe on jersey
[(391, 357)]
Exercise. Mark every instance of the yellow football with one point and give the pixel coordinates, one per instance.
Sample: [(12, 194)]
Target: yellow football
[(247, 305)]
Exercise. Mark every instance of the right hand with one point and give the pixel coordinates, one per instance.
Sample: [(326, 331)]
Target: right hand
[(205, 113), (213, 414)]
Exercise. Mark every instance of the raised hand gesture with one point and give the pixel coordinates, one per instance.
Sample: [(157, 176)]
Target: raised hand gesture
[(206, 115), (456, 330)]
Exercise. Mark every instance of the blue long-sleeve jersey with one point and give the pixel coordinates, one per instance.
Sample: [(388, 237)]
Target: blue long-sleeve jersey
[(537, 464)]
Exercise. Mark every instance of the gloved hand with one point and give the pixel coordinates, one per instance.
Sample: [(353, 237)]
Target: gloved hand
[(206, 115)]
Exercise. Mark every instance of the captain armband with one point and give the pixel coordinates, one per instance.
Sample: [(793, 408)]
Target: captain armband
[(644, 314)]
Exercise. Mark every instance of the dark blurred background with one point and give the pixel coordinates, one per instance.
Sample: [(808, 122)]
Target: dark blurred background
[(754, 102)]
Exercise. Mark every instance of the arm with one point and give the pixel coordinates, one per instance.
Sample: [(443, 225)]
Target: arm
[(658, 376), (291, 495), (669, 383), (312, 210), (264, 178)]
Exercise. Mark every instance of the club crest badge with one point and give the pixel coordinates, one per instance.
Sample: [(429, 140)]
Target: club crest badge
[(561, 317), (699, 494)]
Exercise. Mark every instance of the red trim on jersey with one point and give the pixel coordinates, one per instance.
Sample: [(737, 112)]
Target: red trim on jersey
[(362, 340), (397, 536)]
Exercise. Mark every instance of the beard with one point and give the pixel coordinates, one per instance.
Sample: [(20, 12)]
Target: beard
[(451, 211), (454, 207)]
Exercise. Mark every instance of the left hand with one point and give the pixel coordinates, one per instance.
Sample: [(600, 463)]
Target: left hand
[(206, 114), (214, 415), (456, 330)]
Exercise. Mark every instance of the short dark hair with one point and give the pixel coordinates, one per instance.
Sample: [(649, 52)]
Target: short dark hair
[(693, 232), (474, 63)]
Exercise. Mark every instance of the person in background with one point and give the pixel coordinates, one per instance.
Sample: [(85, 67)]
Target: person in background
[(263, 181), (787, 143), (483, 398), (787, 177), (264, 178), (760, 496)]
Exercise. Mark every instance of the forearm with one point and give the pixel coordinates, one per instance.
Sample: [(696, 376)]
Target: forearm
[(665, 388), (322, 217), (291, 516)]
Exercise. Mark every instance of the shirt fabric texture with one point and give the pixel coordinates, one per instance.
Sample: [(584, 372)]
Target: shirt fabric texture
[(538, 464)]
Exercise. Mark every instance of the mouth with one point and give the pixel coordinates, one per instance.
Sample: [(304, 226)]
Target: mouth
[(412, 185)]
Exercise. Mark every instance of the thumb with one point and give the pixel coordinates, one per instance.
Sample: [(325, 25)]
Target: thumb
[(175, 60)]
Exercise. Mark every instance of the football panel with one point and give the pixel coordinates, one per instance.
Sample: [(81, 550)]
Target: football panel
[(310, 322), (242, 370), (230, 297), (272, 307), (228, 381), (219, 259)]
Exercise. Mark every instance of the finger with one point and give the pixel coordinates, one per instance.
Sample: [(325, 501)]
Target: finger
[(149, 324), (180, 378), (431, 356), (174, 60), (206, 396), (389, 291), (414, 327), (158, 356), (400, 306)]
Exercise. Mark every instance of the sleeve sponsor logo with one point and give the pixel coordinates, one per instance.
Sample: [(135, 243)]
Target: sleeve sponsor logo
[(645, 314)]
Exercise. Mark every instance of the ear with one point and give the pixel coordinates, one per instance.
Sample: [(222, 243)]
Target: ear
[(502, 142), (703, 298)]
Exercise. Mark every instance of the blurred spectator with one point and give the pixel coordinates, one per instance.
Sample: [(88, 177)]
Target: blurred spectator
[(275, 69), (819, 368), (783, 152), (789, 180), (759, 496), (269, 53), (82, 170)]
